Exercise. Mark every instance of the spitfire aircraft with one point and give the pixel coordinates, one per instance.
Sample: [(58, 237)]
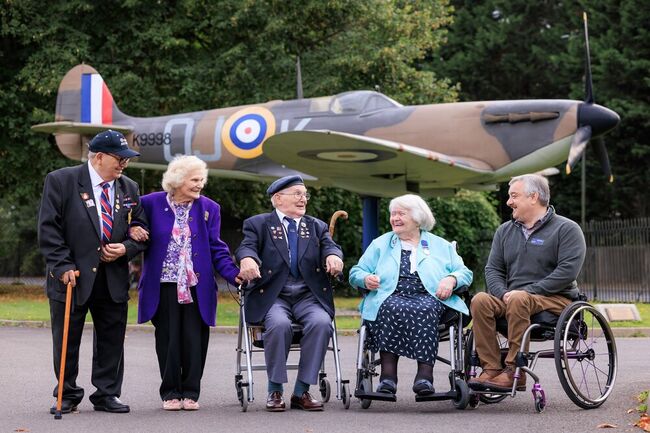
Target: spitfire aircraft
[(361, 141)]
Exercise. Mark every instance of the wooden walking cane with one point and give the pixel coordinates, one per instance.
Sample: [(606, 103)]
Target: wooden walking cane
[(64, 347), (339, 213)]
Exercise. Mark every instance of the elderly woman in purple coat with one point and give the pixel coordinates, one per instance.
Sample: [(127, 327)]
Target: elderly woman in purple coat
[(177, 289)]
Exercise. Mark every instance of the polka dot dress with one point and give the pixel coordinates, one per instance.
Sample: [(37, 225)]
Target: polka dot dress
[(407, 321)]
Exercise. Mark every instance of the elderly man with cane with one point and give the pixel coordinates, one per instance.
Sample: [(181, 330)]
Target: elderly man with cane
[(83, 227)]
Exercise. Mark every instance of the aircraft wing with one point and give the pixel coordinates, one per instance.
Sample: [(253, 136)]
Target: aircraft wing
[(66, 127), (371, 165)]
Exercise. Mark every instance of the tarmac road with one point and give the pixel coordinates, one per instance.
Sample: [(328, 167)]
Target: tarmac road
[(27, 380)]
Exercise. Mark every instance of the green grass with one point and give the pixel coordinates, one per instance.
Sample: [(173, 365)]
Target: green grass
[(25, 303)]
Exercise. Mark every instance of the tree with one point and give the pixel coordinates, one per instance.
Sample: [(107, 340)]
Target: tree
[(176, 56), (519, 49)]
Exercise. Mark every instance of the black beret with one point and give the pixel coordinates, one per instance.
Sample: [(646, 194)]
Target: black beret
[(111, 142), (284, 182)]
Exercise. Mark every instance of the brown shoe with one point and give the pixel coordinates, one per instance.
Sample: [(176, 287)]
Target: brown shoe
[(275, 402), (478, 383), (305, 402), (504, 381)]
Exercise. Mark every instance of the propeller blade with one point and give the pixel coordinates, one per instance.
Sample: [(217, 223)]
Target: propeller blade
[(589, 92), (601, 154), (578, 144)]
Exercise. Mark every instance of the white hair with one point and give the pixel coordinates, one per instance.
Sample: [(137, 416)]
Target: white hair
[(178, 170), (417, 208), (534, 183)]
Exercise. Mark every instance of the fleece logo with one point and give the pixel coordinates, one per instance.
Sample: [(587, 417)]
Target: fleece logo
[(537, 241)]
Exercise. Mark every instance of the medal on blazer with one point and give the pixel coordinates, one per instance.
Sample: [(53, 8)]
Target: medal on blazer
[(425, 247)]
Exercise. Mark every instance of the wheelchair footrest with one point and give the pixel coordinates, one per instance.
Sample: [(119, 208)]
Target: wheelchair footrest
[(382, 396), (450, 395)]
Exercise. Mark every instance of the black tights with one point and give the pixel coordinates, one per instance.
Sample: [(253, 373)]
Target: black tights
[(389, 368)]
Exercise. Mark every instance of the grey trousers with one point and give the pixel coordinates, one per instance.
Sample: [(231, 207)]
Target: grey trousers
[(317, 331)]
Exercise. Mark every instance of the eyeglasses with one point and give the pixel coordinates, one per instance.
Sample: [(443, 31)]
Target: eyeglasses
[(120, 160), (297, 195)]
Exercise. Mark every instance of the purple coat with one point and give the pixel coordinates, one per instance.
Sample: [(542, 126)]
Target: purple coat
[(209, 253)]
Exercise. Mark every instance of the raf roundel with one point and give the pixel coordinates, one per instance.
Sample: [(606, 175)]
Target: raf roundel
[(245, 131)]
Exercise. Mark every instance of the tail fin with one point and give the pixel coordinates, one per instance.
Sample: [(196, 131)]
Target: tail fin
[(84, 107)]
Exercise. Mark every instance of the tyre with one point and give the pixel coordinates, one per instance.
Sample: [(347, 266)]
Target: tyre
[(462, 395), (346, 396), (325, 390), (365, 386), (585, 355)]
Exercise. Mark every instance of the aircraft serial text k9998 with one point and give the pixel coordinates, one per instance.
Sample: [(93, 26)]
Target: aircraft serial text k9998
[(361, 141)]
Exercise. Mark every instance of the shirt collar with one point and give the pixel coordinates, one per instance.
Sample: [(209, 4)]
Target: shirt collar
[(95, 178), (282, 215)]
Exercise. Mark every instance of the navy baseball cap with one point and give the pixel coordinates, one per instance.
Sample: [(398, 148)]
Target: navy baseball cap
[(111, 142), (284, 182)]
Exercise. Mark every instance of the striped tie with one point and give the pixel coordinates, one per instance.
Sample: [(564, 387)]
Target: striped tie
[(107, 214)]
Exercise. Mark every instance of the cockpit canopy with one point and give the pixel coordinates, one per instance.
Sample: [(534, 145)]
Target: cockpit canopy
[(355, 102)]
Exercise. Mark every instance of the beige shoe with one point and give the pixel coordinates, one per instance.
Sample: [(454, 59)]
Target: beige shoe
[(189, 404), (174, 404)]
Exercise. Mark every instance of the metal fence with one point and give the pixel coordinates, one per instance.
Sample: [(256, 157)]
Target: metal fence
[(617, 265)]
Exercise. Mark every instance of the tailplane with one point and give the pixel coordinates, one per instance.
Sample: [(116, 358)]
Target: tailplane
[(84, 107)]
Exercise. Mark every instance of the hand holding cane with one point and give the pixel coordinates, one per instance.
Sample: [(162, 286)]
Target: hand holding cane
[(64, 347)]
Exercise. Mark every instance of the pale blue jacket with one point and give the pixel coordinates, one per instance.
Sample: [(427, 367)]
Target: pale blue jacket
[(382, 258)]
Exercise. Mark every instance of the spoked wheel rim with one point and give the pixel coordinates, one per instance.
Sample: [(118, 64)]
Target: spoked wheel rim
[(585, 355)]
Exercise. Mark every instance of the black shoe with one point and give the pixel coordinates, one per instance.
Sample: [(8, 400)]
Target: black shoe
[(423, 387), (67, 406), (111, 404), (387, 386)]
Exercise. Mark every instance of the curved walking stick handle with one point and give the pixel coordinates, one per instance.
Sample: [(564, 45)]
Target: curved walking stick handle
[(336, 215), (64, 347)]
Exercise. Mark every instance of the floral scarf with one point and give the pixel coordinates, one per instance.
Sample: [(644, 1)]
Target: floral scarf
[(182, 236)]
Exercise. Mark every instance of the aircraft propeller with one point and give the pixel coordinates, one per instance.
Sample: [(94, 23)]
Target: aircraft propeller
[(593, 120)]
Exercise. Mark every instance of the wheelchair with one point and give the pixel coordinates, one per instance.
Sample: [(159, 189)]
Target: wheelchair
[(450, 329), (250, 340), (584, 352)]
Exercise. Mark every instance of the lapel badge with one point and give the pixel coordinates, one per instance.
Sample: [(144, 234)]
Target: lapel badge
[(84, 196), (207, 215), (89, 203), (302, 224), (425, 247)]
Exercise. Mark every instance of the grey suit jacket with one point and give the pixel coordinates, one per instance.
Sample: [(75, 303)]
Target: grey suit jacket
[(69, 233)]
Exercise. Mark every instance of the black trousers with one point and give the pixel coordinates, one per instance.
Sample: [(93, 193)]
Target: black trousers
[(109, 327), (181, 344)]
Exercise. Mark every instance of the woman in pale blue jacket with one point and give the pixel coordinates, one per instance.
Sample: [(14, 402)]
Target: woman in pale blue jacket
[(411, 276)]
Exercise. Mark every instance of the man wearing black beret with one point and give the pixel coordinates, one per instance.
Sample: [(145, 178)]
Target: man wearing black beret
[(83, 226), (285, 256)]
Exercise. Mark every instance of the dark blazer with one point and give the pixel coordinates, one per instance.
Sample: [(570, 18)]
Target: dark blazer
[(209, 253), (69, 233), (265, 241)]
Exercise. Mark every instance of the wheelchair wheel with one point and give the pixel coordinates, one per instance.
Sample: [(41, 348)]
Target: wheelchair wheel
[(540, 403), (474, 400), (346, 396), (325, 390), (462, 395), (365, 386), (585, 355), (241, 395)]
